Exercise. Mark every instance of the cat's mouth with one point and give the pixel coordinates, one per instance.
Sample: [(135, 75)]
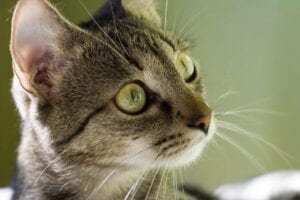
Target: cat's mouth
[(183, 147), (172, 144), (176, 149)]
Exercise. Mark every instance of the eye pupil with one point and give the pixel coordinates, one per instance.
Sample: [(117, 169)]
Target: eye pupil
[(182, 62), (132, 96)]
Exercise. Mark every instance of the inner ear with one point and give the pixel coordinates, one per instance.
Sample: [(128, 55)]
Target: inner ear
[(37, 34)]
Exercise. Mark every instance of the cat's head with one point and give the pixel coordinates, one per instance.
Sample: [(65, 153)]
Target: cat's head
[(125, 92)]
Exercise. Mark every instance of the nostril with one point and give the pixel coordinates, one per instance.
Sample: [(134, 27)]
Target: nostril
[(203, 127), (202, 123)]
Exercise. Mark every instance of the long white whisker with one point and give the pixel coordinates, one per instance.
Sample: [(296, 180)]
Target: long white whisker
[(181, 179), (151, 184), (249, 105), (160, 183), (166, 15), (232, 113), (229, 140), (165, 184), (252, 110), (116, 169), (226, 94), (57, 157), (189, 22), (174, 184), (101, 29), (237, 129), (134, 187), (115, 25), (176, 21), (139, 185), (102, 183)]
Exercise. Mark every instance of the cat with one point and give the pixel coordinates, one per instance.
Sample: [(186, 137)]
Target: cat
[(106, 106)]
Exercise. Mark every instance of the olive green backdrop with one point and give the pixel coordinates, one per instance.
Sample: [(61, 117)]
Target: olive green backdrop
[(250, 48)]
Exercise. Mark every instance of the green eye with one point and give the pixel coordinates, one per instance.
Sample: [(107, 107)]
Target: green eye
[(185, 67), (131, 98)]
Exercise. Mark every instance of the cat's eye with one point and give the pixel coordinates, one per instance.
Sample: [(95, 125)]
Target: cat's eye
[(131, 98), (185, 67)]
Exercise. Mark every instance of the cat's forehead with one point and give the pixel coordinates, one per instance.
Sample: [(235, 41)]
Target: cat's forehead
[(128, 50), (140, 44)]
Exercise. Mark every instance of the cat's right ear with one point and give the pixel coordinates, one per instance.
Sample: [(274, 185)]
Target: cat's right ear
[(36, 38), (143, 8)]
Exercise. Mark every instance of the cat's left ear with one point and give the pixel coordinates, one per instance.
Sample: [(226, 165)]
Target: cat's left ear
[(38, 32)]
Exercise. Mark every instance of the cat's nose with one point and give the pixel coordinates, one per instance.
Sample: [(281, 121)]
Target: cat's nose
[(202, 123)]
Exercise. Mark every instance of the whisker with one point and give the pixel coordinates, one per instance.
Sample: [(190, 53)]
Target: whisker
[(182, 183), (132, 189), (156, 158), (166, 16), (86, 186), (216, 103), (225, 95), (174, 184), (255, 103), (134, 186), (101, 29), (188, 23), (176, 21), (151, 184), (160, 183), (238, 115), (102, 183), (231, 113), (165, 184), (247, 108), (139, 185), (253, 160), (64, 185), (115, 25), (56, 158), (217, 145), (116, 169), (252, 110), (237, 129)]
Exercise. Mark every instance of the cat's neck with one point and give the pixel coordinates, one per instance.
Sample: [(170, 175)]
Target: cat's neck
[(41, 176)]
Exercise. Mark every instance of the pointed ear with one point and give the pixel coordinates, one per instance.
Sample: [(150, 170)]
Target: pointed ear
[(143, 8), (37, 31)]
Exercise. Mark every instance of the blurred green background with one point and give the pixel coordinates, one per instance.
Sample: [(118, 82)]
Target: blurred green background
[(249, 48)]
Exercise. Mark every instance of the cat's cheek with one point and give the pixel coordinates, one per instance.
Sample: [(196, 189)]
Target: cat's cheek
[(138, 154)]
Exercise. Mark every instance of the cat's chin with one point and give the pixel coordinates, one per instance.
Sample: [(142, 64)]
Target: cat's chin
[(192, 152)]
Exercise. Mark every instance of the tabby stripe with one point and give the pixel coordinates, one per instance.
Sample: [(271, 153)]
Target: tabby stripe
[(80, 128), (161, 36)]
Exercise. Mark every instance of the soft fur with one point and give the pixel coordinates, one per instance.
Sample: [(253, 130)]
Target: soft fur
[(73, 134)]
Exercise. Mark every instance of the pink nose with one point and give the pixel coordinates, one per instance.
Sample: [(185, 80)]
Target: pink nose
[(203, 123)]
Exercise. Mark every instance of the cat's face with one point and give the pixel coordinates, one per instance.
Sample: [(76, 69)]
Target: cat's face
[(126, 94)]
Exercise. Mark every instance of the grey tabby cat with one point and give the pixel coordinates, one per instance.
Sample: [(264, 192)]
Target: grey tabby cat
[(104, 105)]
